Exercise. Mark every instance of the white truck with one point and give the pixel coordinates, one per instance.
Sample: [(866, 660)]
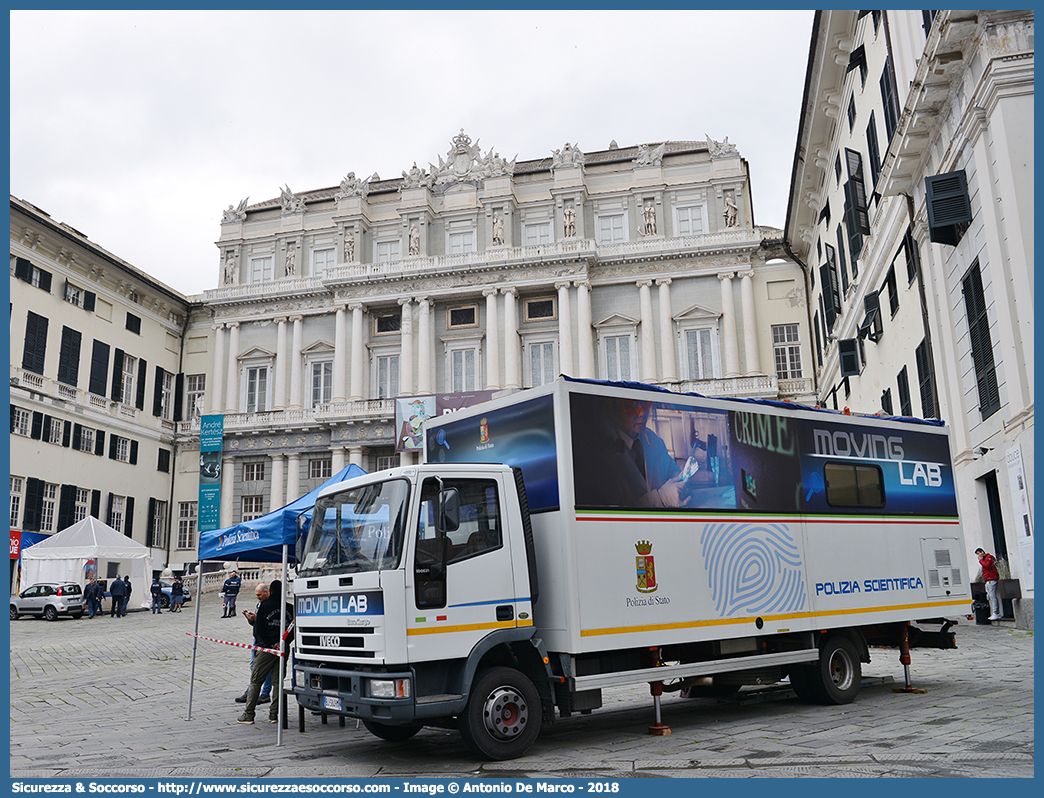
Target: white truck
[(587, 535)]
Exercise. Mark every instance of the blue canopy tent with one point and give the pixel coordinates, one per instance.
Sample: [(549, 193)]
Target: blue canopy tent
[(262, 539), (269, 538)]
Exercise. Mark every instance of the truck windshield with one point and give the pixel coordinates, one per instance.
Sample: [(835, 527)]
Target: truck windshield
[(357, 530)]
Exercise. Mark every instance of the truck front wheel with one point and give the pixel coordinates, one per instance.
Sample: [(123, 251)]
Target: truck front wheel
[(502, 717), (836, 678), (395, 734)]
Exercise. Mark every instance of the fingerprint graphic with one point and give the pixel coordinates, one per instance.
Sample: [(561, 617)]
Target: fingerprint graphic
[(753, 569)]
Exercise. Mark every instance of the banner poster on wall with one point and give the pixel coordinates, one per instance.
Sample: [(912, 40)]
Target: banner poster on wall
[(211, 436), (412, 411), (1021, 510)]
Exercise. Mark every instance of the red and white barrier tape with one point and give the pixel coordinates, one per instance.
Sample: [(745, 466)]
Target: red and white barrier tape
[(275, 651)]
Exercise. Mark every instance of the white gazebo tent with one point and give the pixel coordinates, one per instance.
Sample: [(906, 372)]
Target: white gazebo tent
[(63, 558)]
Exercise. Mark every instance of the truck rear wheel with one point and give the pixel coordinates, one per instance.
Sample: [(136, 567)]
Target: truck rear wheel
[(502, 717), (394, 734), (836, 678)]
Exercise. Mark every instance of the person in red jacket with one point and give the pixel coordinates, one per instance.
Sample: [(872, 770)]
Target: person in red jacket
[(989, 576)]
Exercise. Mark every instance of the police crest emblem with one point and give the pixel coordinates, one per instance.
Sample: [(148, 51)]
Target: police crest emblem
[(644, 567)]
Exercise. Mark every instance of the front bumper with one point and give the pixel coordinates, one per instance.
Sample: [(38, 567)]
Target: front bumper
[(340, 691)]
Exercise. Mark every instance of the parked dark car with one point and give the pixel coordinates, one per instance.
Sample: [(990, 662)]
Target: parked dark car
[(48, 600), (165, 598)]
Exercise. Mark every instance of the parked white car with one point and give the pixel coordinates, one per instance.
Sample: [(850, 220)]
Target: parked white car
[(48, 600)]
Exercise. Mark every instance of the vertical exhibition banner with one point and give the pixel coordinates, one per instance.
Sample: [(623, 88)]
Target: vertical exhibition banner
[(1021, 510), (211, 435)]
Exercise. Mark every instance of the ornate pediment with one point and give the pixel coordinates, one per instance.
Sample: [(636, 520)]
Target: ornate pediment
[(465, 163), (697, 313)]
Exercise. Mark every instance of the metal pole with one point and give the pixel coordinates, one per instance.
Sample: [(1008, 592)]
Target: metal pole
[(282, 658), (195, 635)]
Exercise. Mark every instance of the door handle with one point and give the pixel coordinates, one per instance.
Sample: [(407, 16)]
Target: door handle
[(505, 612)]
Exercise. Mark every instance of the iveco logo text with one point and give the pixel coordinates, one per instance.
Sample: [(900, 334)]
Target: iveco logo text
[(332, 605)]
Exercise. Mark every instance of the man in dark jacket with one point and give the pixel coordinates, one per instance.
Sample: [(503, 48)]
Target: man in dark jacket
[(157, 592), (116, 590), (231, 590), (127, 590), (266, 635)]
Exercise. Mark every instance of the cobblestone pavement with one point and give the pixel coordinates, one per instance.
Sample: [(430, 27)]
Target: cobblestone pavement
[(109, 698)]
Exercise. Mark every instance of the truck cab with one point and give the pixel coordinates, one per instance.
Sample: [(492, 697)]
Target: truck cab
[(410, 582)]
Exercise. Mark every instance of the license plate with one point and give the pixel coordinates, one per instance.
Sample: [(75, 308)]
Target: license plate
[(332, 703)]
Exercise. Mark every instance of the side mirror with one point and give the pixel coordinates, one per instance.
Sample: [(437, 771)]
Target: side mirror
[(449, 510)]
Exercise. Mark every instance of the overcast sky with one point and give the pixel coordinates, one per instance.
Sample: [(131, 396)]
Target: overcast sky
[(139, 128)]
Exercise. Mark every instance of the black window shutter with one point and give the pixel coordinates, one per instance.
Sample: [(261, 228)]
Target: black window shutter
[(45, 430), (128, 517), (69, 357), (855, 190), (33, 504), (848, 351), (113, 439), (179, 389), (981, 342), (117, 376), (99, 443), (157, 393), (163, 461), (66, 506), (133, 452), (905, 406), (150, 523), (45, 281), (99, 368), (139, 400), (925, 380), (88, 300), (841, 254), (35, 343), (134, 323), (827, 296), (886, 401), (949, 207), (13, 408), (95, 502), (23, 269), (108, 511), (77, 436), (66, 433), (36, 431)]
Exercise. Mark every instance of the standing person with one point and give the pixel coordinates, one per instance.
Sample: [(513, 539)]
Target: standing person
[(261, 592), (231, 590), (93, 594), (177, 594), (990, 577), (266, 632), (116, 591), (156, 590), (127, 590)]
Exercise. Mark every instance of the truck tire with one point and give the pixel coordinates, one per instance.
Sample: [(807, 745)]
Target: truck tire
[(502, 717), (836, 678), (394, 734), (801, 682)]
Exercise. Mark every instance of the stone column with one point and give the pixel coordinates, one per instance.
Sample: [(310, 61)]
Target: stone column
[(565, 330), (295, 364), (424, 346), (232, 388), (728, 325), (277, 480), (217, 399), (279, 394), (585, 332), (750, 327), (336, 459), (492, 340), (338, 362), (648, 370), (512, 377), (228, 473), (358, 361), (668, 354), (406, 350), (293, 477), (355, 455)]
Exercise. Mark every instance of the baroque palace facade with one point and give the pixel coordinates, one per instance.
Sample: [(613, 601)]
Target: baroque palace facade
[(475, 275), (335, 307)]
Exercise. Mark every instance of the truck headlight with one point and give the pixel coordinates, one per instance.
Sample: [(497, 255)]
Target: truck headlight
[(389, 688)]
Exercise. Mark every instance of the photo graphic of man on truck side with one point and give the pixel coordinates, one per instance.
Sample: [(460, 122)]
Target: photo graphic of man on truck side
[(633, 466)]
